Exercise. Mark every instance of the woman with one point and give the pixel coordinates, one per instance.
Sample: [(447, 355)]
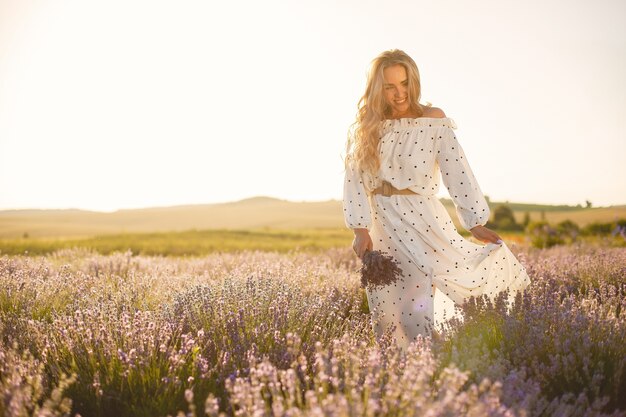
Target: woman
[(398, 151)]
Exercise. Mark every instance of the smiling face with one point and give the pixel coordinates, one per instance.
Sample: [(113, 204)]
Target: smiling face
[(396, 90)]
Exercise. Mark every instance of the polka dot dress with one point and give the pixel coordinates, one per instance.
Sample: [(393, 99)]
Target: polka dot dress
[(440, 267)]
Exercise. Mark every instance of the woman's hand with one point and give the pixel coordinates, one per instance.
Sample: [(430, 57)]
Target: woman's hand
[(485, 235), (362, 242)]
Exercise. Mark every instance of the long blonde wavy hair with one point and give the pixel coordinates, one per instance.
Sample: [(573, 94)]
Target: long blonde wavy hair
[(364, 133)]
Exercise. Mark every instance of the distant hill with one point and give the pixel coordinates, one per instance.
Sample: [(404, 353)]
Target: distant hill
[(255, 212)]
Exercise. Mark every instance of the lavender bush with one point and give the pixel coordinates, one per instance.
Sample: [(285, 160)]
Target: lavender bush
[(268, 334), (564, 337)]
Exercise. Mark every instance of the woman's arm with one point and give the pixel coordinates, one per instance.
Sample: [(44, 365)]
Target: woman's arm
[(356, 210), (362, 242), (470, 203)]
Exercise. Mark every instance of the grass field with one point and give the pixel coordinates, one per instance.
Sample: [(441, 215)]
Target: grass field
[(250, 214), (198, 243)]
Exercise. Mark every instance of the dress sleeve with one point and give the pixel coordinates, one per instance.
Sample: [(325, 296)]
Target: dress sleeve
[(471, 206), (356, 208)]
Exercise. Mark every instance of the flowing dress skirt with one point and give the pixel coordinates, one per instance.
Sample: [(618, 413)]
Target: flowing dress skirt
[(440, 267)]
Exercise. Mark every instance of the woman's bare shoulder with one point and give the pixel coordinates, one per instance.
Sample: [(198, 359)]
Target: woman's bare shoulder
[(431, 111)]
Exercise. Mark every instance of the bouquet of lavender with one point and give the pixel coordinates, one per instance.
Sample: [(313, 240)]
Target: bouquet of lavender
[(378, 270)]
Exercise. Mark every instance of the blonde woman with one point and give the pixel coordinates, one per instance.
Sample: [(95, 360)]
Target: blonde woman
[(398, 152)]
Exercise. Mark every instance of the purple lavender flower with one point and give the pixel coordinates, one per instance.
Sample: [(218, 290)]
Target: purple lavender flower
[(379, 270)]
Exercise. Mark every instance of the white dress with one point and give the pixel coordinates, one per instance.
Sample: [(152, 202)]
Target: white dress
[(440, 267)]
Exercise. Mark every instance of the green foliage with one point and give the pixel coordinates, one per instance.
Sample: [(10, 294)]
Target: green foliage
[(503, 219), (543, 235), (597, 228), (189, 243), (568, 230), (526, 220)]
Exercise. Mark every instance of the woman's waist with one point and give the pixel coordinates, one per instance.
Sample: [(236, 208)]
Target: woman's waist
[(388, 188)]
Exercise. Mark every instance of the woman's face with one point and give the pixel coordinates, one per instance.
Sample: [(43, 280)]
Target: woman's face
[(395, 89)]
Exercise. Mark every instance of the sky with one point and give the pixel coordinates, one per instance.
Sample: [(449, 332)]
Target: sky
[(115, 104)]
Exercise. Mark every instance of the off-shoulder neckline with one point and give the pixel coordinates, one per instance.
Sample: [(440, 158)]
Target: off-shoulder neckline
[(420, 121), (415, 118)]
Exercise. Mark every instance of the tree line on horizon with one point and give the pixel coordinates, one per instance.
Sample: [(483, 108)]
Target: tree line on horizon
[(545, 234)]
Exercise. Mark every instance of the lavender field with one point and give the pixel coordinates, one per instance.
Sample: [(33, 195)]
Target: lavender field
[(269, 334)]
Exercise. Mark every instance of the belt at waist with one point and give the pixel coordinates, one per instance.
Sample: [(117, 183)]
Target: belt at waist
[(387, 189)]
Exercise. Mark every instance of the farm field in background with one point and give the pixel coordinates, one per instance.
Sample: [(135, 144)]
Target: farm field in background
[(204, 242), (253, 333), (198, 243), (250, 214)]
